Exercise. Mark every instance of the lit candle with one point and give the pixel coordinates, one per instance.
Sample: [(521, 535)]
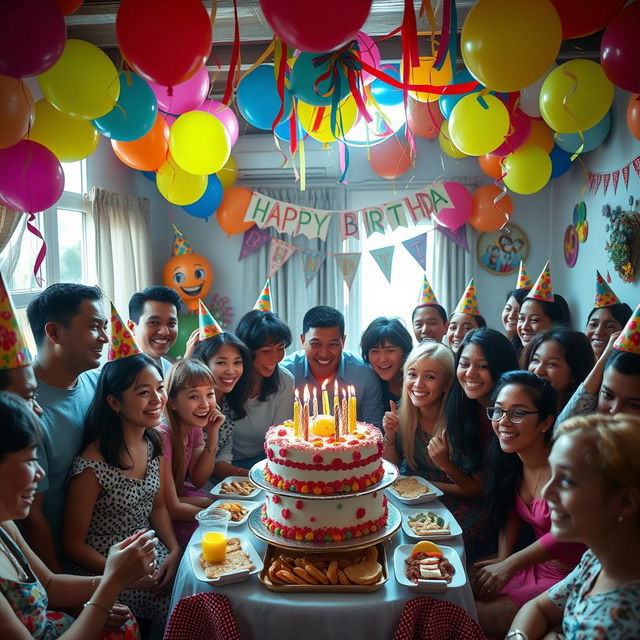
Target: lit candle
[(296, 415), (336, 409), (352, 409), (343, 414), (305, 413), (315, 403), (325, 399)]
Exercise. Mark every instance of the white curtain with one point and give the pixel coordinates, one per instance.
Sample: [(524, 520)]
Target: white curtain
[(291, 298), (10, 220), (123, 247)]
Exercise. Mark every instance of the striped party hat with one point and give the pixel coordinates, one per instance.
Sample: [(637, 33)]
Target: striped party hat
[(469, 302), (604, 293), (263, 303), (209, 327)]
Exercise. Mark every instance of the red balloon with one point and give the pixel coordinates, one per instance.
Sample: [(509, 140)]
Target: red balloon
[(424, 118), (69, 6), (485, 214), (392, 158), (316, 27), (583, 17), (232, 209), (633, 116), (620, 49), (164, 41)]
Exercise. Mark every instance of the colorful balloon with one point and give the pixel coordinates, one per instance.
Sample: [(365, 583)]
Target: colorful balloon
[(208, 202), (424, 118), (447, 102), (519, 128), (369, 53), (560, 162), (183, 97), (307, 85), (16, 111), (383, 93), (633, 116), (426, 74), (593, 137), (232, 209), (178, 186), (191, 276), (581, 18), (461, 205), (258, 100), (446, 144), (147, 153), (392, 158), (530, 96), (345, 119), (69, 6), (490, 208), (225, 115), (620, 49), (541, 135), (527, 170), (491, 165), (228, 174)]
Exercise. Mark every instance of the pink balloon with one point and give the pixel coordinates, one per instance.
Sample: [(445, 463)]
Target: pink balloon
[(369, 53), (31, 177), (459, 212), (185, 96), (521, 125), (225, 115)]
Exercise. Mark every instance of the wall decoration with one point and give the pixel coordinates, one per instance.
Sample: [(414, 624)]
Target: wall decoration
[(571, 245), (580, 221), (623, 246), (596, 179), (500, 251)]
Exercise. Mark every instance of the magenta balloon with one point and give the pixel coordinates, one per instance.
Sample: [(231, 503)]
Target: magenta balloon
[(620, 49), (521, 127), (225, 115), (168, 118), (459, 212), (33, 37), (31, 177), (185, 96), (369, 53)]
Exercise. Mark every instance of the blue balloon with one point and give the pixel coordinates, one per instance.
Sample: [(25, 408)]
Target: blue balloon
[(560, 161), (386, 94), (209, 201), (258, 99), (283, 132), (149, 175), (303, 81), (134, 113), (447, 102), (593, 137)]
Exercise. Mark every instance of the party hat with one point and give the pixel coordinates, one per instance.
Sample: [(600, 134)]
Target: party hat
[(180, 243), (122, 344), (14, 352), (542, 288), (604, 293), (524, 281), (209, 328), (426, 295), (629, 338), (469, 302), (263, 303)]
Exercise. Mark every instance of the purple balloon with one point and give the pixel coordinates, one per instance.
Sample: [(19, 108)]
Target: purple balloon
[(455, 215), (33, 37), (185, 96), (31, 177), (225, 115)]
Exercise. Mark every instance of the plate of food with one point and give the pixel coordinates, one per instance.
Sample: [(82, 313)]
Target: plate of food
[(239, 510), (241, 561), (236, 487), (434, 522), (428, 567), (413, 490)]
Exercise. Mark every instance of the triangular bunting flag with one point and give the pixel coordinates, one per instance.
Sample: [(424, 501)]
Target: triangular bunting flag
[(615, 177), (279, 252), (636, 165), (209, 327), (542, 289), (252, 240), (605, 297), (263, 303), (605, 182), (384, 259), (311, 263), (417, 247), (625, 176), (629, 339), (122, 343), (597, 181), (524, 282), (14, 352), (459, 236), (469, 301), (348, 264)]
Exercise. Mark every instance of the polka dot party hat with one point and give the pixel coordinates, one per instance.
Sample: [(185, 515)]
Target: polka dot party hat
[(469, 302), (14, 352), (122, 343), (524, 281), (263, 303), (180, 244), (209, 328), (604, 293), (426, 295), (542, 288), (629, 339)]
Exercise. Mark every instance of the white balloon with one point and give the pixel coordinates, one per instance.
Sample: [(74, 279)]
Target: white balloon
[(530, 96)]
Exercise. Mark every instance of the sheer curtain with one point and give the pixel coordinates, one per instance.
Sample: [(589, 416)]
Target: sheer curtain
[(9, 222), (291, 298), (123, 249)]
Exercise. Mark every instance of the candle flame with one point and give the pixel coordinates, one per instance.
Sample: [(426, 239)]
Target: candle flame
[(315, 392), (335, 388), (297, 394), (305, 393), (352, 390), (344, 393), (324, 384)]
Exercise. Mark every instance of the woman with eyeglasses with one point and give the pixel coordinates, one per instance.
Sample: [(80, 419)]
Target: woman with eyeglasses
[(522, 417)]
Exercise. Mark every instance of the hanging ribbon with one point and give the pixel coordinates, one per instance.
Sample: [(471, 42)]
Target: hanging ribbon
[(568, 111), (446, 37), (234, 67), (43, 249)]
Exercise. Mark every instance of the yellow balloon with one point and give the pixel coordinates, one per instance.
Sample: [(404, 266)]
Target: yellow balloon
[(540, 135), (229, 173), (178, 186), (199, 143), (447, 146), (426, 74), (508, 44), (479, 124), (83, 82), (527, 169), (345, 119), (575, 96), (71, 139)]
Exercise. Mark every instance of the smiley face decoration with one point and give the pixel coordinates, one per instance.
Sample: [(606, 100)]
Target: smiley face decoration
[(190, 274)]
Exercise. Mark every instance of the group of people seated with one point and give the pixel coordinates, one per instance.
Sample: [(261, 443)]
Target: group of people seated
[(532, 434)]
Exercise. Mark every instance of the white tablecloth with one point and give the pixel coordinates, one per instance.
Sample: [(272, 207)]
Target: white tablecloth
[(264, 615)]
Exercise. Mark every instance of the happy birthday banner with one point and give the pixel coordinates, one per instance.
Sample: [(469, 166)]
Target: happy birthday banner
[(613, 177)]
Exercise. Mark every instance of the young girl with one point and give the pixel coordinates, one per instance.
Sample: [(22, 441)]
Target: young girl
[(385, 345), (27, 587), (509, 316), (115, 488), (187, 461), (594, 497), (230, 363), (562, 357), (270, 387), (517, 469)]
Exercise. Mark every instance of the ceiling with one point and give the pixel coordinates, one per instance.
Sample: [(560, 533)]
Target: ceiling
[(95, 22)]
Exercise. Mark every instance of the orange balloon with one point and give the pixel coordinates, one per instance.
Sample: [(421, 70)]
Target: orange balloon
[(491, 165), (392, 158), (633, 115), (541, 135), (424, 118), (148, 153), (232, 209), (485, 214), (16, 111)]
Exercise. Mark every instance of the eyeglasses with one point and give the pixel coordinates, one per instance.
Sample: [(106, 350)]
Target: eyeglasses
[(515, 416)]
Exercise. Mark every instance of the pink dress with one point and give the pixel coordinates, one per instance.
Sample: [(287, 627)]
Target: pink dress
[(532, 581)]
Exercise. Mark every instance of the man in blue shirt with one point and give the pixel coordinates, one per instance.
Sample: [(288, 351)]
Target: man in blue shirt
[(323, 359)]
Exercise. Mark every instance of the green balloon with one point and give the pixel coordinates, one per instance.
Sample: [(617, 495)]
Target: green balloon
[(187, 323)]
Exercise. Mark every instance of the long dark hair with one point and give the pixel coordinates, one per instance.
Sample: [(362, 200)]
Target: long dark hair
[(519, 295), (624, 362), (102, 423), (258, 329), (461, 413), (557, 311), (205, 350), (620, 311), (20, 426), (504, 470)]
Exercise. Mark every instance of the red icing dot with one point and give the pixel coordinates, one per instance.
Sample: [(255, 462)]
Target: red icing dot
[(312, 519), (282, 432), (336, 463), (299, 504), (317, 458), (286, 514), (360, 513), (356, 455), (270, 454), (275, 499), (283, 452)]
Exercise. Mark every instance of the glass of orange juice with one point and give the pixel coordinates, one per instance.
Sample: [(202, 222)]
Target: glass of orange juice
[(213, 526)]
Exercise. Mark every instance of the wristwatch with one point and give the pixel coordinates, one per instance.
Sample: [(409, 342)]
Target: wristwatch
[(516, 634)]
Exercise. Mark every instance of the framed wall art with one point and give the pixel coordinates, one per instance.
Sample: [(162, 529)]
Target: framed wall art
[(500, 252)]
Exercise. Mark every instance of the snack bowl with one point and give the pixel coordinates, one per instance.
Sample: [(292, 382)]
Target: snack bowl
[(195, 550), (248, 506), (218, 490), (454, 528), (459, 578), (432, 491)]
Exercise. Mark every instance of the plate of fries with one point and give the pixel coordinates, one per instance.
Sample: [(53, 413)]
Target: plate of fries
[(239, 510), (236, 487)]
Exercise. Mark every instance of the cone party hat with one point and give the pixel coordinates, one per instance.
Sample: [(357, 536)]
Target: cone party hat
[(14, 352), (122, 343), (524, 281), (263, 303), (604, 293), (427, 296), (180, 244), (469, 302), (629, 338), (209, 328), (542, 289)]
